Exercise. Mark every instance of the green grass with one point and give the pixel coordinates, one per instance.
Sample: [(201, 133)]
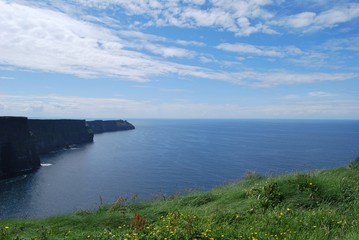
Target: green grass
[(318, 205)]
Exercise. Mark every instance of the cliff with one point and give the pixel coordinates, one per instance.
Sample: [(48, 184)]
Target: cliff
[(17, 149), (22, 140), (52, 135), (99, 126)]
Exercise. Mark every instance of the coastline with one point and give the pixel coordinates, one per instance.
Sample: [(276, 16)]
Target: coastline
[(315, 205)]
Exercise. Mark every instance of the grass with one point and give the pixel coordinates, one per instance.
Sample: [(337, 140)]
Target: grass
[(317, 205)]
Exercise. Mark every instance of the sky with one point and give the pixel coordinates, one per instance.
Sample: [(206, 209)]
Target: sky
[(264, 59)]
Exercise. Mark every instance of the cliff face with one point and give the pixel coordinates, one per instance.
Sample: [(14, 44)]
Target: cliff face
[(17, 149), (100, 126), (22, 140), (51, 135)]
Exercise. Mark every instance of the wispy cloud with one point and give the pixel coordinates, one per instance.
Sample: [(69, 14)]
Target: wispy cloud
[(157, 45), (52, 41), (320, 94), (239, 17), (312, 21), (46, 40), (270, 79), (260, 50), (243, 18), (350, 44), (161, 89), (190, 43), (87, 107), (5, 78)]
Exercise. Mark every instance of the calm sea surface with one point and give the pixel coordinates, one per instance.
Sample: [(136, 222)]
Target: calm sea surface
[(169, 156)]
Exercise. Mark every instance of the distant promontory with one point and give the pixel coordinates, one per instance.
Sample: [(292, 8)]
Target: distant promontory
[(100, 126)]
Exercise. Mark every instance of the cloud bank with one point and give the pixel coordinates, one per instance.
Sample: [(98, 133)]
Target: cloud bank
[(42, 39)]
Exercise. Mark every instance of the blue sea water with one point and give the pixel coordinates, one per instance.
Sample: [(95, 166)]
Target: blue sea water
[(168, 156)]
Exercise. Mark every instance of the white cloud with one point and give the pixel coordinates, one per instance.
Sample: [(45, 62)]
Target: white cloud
[(139, 41), (337, 15), (239, 17), (161, 89), (131, 34), (267, 51), (42, 39), (47, 40), (85, 107), (300, 20), (193, 43), (312, 59), (164, 51), (5, 78), (207, 59), (320, 94), (342, 44), (250, 49), (242, 18), (270, 79), (196, 2), (208, 18), (311, 21)]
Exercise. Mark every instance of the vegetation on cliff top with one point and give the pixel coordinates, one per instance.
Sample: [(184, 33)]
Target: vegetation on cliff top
[(318, 205)]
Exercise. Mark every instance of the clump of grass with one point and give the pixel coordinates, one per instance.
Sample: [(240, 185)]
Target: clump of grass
[(267, 196), (354, 164)]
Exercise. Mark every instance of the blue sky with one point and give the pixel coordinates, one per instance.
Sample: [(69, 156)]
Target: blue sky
[(180, 59)]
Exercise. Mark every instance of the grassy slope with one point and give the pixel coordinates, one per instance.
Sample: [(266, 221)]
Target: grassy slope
[(320, 205)]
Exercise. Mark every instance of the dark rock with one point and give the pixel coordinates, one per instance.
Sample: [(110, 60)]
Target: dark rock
[(17, 149), (52, 135), (100, 126)]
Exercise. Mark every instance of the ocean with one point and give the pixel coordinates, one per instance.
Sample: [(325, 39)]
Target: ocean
[(165, 157)]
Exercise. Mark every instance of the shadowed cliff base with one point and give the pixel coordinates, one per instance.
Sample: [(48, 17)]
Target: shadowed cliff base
[(17, 147)]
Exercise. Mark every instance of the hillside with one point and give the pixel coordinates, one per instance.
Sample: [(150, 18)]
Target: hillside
[(317, 205)]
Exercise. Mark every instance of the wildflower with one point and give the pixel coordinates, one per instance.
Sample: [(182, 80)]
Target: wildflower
[(6, 227)]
